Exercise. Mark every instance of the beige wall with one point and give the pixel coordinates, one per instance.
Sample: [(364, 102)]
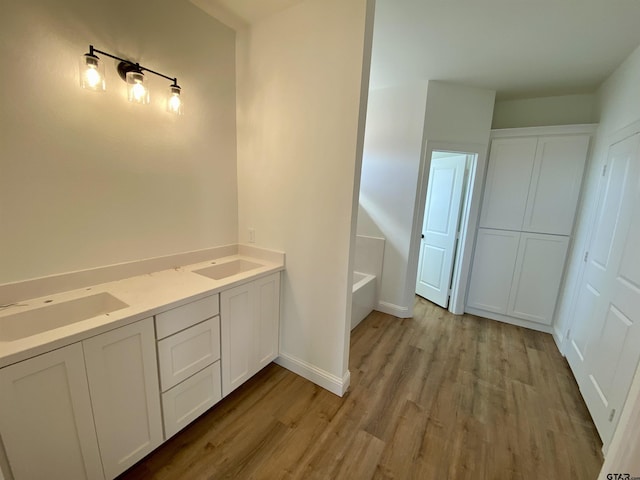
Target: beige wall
[(545, 111), (298, 124), (88, 179)]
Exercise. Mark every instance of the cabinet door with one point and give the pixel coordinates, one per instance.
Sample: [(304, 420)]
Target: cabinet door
[(537, 277), (507, 185), (237, 307), (267, 319), (123, 381), (46, 421), (492, 272), (555, 184)]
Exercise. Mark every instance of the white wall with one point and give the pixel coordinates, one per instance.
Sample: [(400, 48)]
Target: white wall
[(545, 111), (399, 122), (87, 179), (299, 114), (393, 145)]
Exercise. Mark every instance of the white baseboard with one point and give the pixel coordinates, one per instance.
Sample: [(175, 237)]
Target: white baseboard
[(314, 374), (506, 319), (392, 309)]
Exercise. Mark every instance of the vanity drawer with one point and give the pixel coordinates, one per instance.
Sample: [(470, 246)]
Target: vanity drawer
[(187, 352), (188, 400), (179, 318)]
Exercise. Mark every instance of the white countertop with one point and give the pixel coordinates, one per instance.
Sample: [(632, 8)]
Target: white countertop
[(145, 295)]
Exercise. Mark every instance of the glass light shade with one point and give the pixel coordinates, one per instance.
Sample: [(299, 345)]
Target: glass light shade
[(137, 91), (174, 100), (92, 73)]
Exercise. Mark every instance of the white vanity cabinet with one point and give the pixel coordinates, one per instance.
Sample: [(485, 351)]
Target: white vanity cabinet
[(123, 382), (88, 410), (249, 320), (189, 361), (46, 419)]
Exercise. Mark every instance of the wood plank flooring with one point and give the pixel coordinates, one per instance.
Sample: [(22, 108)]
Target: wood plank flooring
[(436, 396)]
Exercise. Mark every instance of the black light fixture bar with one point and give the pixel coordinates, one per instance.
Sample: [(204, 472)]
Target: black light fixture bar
[(128, 65)]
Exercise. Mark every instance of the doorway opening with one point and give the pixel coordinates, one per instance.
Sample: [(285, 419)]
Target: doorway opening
[(448, 204)]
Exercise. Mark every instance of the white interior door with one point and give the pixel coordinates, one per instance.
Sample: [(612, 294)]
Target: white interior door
[(440, 228), (605, 337)]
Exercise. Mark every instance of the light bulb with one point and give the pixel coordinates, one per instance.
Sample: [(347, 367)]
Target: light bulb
[(137, 91), (92, 73), (174, 101), (92, 77)]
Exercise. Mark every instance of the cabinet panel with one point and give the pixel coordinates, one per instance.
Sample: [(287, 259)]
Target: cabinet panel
[(123, 381), (236, 326), (46, 419), (537, 277), (493, 268), (268, 319), (191, 398), (507, 185), (249, 326), (185, 353), (555, 184), (179, 318)]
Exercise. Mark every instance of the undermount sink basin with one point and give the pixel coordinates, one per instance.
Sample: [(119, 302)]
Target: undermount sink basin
[(55, 315), (227, 269)]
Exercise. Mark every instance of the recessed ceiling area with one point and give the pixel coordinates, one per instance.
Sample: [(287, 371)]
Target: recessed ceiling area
[(520, 48)]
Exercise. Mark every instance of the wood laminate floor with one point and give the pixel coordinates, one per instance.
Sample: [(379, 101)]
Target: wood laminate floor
[(436, 396)]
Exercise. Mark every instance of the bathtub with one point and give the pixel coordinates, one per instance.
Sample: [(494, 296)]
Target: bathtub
[(364, 297)]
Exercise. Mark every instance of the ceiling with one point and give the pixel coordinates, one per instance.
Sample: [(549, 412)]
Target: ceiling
[(520, 48)]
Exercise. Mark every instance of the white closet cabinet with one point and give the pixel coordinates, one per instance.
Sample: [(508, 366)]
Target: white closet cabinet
[(530, 197), (494, 261), (555, 184), (533, 184), (536, 280), (249, 325), (507, 183), (46, 419), (123, 381)]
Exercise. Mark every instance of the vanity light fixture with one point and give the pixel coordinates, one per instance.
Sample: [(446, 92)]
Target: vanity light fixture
[(92, 78)]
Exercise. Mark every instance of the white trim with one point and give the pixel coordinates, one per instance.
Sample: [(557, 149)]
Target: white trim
[(506, 319), (558, 337), (320, 377), (395, 310), (588, 128), (468, 226)]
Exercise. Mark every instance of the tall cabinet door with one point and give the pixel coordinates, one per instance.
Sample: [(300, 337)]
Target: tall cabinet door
[(123, 380), (45, 417), (507, 185), (492, 271), (237, 307), (537, 277), (555, 184), (267, 319)]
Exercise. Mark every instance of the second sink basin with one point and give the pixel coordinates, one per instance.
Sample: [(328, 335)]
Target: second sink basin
[(227, 269), (55, 315)]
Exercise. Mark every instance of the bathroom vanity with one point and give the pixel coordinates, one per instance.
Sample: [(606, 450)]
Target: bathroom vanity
[(94, 379)]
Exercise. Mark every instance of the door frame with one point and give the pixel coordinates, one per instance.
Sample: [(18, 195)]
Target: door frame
[(468, 223)]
